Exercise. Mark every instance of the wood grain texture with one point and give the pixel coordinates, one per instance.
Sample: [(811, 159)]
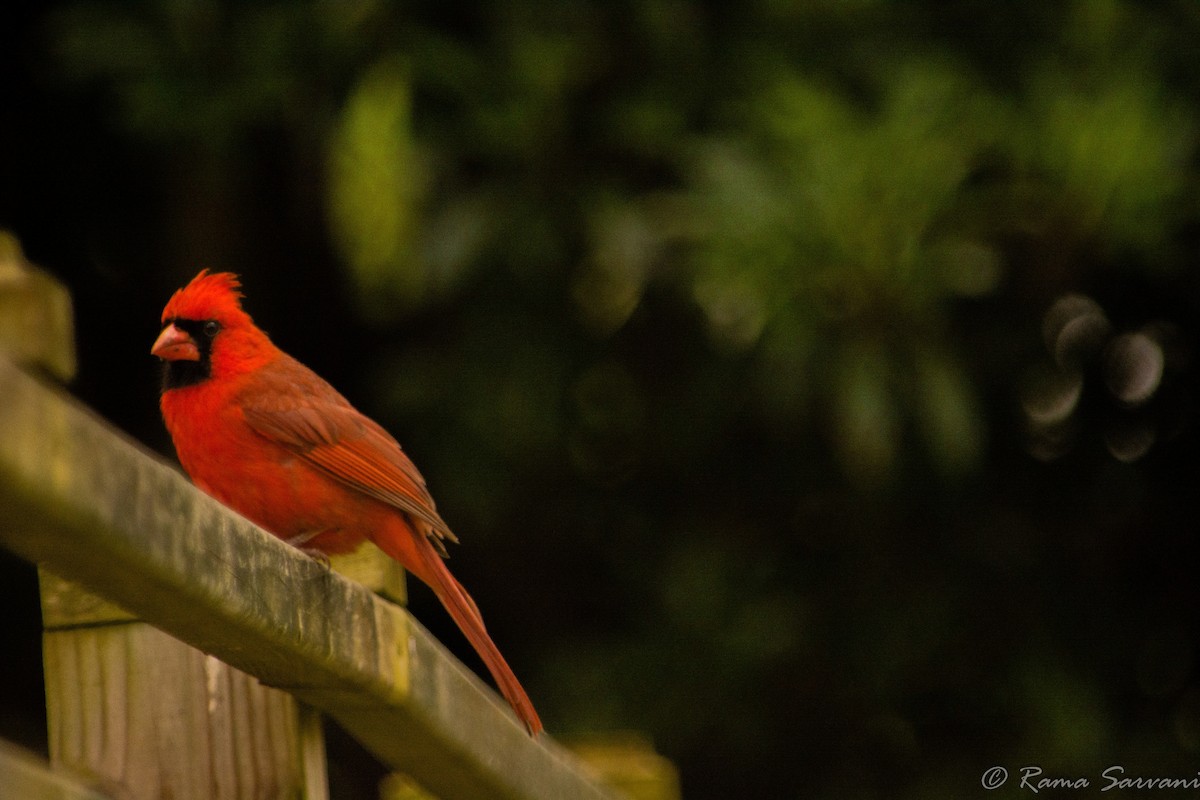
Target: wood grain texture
[(95, 508), (146, 716), (24, 776), (36, 325), (369, 566), (628, 761)]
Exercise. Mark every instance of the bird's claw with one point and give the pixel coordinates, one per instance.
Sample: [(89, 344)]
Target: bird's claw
[(302, 539), (318, 556)]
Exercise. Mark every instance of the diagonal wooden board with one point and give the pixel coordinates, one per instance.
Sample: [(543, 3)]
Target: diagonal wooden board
[(92, 506)]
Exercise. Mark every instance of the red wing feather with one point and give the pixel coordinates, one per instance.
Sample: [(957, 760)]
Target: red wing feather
[(322, 427)]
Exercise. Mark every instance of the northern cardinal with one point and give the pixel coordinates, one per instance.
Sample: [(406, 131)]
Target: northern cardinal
[(269, 438)]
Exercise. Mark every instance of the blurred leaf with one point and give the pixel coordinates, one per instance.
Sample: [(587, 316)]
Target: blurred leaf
[(834, 216), (1116, 150), (375, 190), (730, 336), (948, 414), (867, 432), (611, 283)]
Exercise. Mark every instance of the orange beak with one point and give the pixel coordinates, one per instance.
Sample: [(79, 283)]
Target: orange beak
[(174, 344)]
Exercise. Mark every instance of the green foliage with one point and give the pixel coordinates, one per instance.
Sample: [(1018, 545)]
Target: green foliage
[(1114, 152), (770, 345), (830, 220), (197, 72), (375, 184)]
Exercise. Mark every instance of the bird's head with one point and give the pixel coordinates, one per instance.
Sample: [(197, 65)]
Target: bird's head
[(206, 332)]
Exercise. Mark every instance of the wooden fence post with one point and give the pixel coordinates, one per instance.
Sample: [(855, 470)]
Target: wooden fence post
[(138, 712), (144, 716), (628, 762), (124, 700)]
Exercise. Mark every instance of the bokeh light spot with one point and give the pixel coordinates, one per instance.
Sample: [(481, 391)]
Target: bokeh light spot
[(1074, 328), (1051, 395), (1133, 367)]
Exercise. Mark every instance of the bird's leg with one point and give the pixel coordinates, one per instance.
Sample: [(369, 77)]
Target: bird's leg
[(301, 539)]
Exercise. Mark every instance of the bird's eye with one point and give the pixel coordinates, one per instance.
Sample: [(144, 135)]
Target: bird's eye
[(211, 328)]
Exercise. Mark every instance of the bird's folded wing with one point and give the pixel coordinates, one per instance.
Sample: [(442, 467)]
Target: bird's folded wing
[(352, 449)]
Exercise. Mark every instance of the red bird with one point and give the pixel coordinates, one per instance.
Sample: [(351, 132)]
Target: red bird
[(269, 438)]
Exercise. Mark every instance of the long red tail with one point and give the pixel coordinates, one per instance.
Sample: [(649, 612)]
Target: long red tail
[(466, 614)]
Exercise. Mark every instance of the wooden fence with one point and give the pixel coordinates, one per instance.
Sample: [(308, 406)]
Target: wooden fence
[(189, 654)]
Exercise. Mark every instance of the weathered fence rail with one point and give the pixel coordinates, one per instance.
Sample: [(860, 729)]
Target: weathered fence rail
[(24, 777), (89, 505)]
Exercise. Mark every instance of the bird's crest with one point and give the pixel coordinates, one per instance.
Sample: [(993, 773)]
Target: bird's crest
[(208, 296)]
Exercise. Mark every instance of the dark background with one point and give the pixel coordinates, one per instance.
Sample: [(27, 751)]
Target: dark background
[(812, 386)]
